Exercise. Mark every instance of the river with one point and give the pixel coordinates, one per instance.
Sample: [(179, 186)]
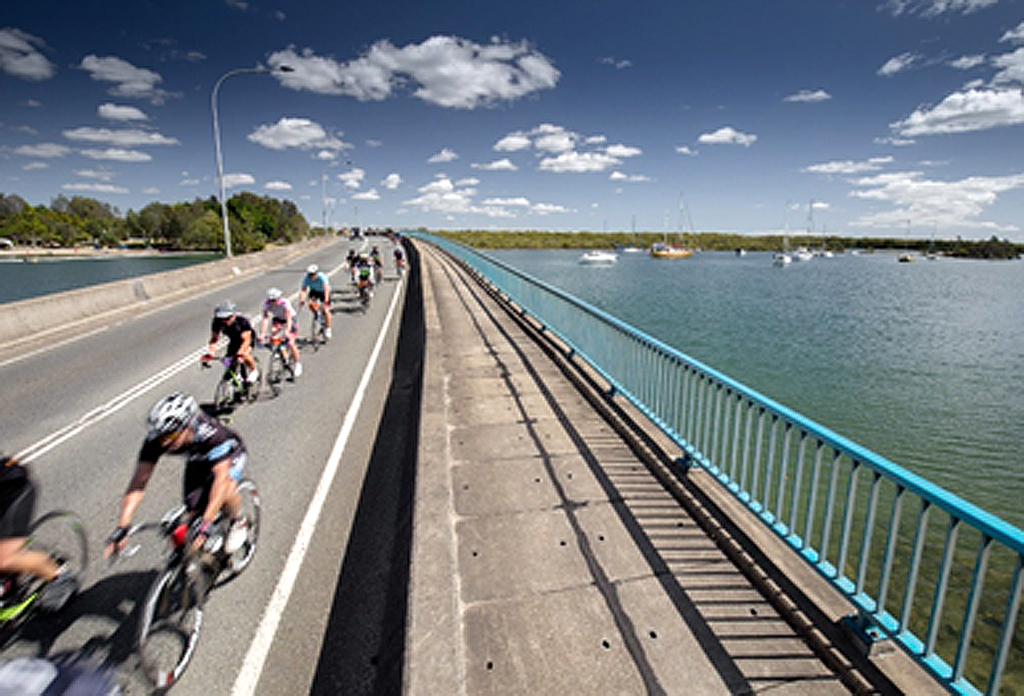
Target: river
[(919, 362)]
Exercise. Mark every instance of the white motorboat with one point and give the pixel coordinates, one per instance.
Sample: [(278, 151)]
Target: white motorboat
[(598, 258)]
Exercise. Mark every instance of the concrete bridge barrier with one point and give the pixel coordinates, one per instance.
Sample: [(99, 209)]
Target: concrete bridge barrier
[(35, 318)]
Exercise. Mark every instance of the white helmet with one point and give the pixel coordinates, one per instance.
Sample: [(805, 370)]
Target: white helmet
[(225, 309), (274, 294), (171, 414), (313, 269)]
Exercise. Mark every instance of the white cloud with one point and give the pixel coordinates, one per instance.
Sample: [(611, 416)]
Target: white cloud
[(967, 62), (130, 137), (1015, 35), (616, 63), (933, 8), (129, 81), (621, 150), (502, 165), (117, 112), (806, 95), (930, 202), (391, 181), (1011, 68), (685, 150), (727, 135), (962, 112), (298, 133), (277, 186), (445, 155), (353, 178), (370, 195), (117, 154), (630, 178), (552, 138), (20, 55), (897, 64), (579, 162), (468, 181), (45, 150), (848, 166), (519, 202), (233, 180), (34, 166), (444, 70), (95, 188)]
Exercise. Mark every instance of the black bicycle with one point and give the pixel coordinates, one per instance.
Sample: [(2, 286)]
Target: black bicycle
[(61, 535), (172, 614), (234, 386), (281, 365), (318, 323)]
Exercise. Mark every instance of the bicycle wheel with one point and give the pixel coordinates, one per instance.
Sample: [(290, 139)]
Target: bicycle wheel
[(253, 388), (224, 394), (240, 559), (172, 617), (275, 372), (62, 535), (314, 330)]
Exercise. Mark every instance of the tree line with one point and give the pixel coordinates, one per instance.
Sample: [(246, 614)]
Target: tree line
[(993, 248), (254, 222)]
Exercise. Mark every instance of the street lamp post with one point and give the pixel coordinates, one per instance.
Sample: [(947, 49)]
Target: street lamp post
[(216, 142)]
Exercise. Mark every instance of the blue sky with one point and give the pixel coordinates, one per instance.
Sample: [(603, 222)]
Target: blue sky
[(857, 117)]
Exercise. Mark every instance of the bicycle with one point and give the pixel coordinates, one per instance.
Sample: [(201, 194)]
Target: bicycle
[(318, 323), (234, 385), (59, 533), (365, 294), (172, 613), (281, 361)]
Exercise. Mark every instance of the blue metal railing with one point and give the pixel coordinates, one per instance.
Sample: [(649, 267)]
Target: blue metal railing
[(936, 574)]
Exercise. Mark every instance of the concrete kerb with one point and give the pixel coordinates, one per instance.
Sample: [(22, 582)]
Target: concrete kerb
[(29, 320)]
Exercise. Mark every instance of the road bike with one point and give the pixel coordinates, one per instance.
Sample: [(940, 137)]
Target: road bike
[(281, 364), (234, 385), (400, 266), (172, 613), (318, 323), (365, 293), (61, 535)]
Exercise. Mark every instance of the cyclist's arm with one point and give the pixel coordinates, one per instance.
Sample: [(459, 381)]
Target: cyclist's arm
[(132, 499), (212, 348), (247, 341)]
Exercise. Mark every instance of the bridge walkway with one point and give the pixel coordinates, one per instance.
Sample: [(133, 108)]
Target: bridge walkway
[(553, 553)]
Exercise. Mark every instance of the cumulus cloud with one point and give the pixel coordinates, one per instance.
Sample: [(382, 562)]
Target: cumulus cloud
[(129, 81), (1011, 68), (117, 154), (129, 137), (807, 95), (353, 178), (1015, 35), (628, 178), (446, 71), (442, 195), (445, 155), (932, 202), (897, 64), (277, 186), (235, 180), (391, 181), (297, 133), (513, 142), (579, 162), (20, 55), (117, 112), (685, 150), (934, 8), (501, 165), (86, 187), (966, 111), (563, 150), (44, 150), (967, 62), (370, 195), (727, 135), (847, 167)]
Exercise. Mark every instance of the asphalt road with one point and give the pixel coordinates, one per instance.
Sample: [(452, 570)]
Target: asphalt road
[(75, 411)]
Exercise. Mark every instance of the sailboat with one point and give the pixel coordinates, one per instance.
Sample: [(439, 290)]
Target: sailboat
[(783, 258), (665, 250), (802, 253)]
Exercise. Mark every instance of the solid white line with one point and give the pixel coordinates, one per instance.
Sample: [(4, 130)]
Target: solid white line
[(252, 667)]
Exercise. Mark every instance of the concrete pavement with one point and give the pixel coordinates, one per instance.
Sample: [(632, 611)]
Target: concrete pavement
[(552, 554)]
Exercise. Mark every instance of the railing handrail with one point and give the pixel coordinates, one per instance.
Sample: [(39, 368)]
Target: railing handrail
[(989, 526)]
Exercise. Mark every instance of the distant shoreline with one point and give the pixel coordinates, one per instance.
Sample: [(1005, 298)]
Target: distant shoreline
[(90, 252)]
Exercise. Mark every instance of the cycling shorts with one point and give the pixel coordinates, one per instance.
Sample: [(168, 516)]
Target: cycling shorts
[(18, 503), (198, 478), (317, 295)]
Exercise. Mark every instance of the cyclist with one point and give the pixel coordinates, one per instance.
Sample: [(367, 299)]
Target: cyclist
[(399, 258), (352, 259), (238, 329), (278, 311), (378, 265), (17, 504), (215, 457), (364, 276), (315, 286)]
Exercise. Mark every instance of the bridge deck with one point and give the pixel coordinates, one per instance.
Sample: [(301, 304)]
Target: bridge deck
[(548, 558)]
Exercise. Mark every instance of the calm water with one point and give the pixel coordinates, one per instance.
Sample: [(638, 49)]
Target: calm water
[(920, 362), (21, 280)]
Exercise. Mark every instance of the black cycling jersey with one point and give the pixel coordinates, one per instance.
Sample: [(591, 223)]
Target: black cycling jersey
[(234, 331), (211, 443)]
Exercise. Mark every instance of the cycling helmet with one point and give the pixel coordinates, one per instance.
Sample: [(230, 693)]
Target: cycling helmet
[(274, 294), (313, 269), (171, 414), (225, 309)]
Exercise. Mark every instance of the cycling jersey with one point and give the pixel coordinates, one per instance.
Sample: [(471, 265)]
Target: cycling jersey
[(211, 443), (317, 285), (278, 310), (235, 331)]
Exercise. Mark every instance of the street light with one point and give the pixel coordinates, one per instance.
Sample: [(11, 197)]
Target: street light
[(216, 141)]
